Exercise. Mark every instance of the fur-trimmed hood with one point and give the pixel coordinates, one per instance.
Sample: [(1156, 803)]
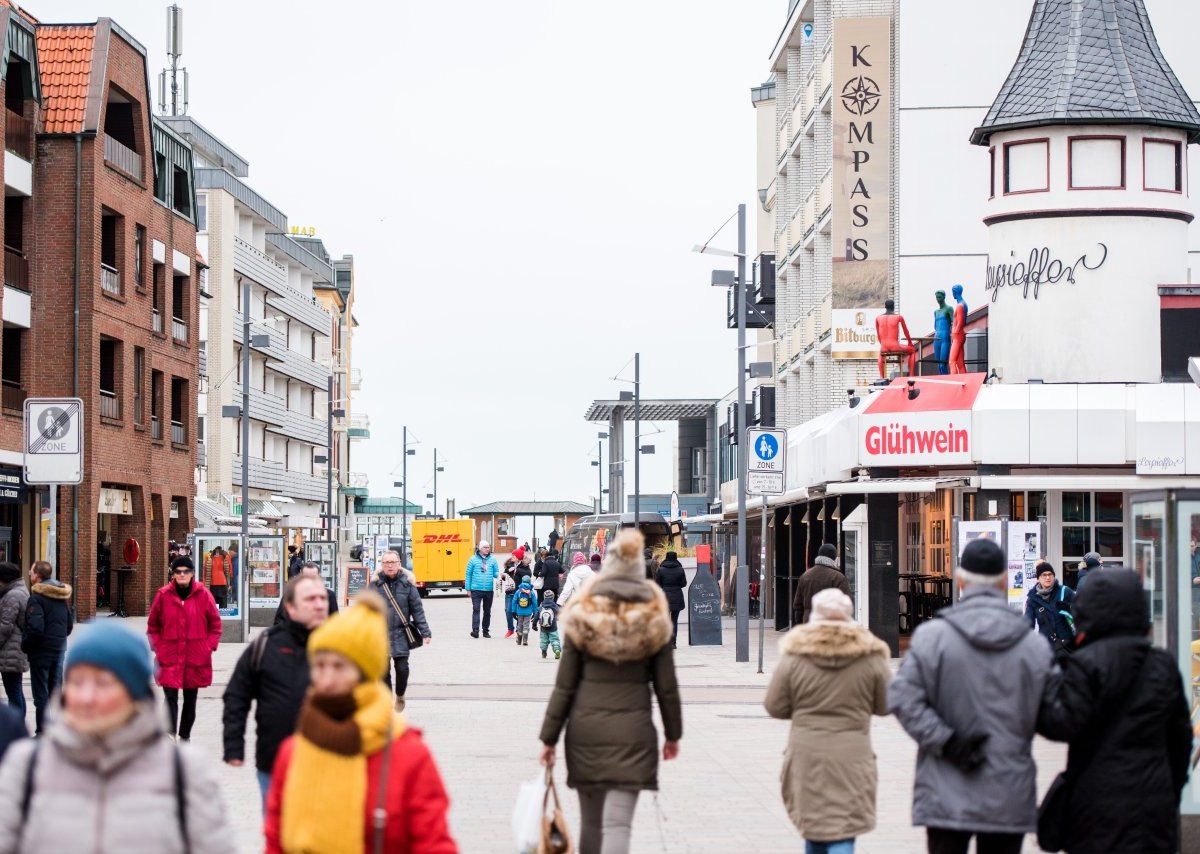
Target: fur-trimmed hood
[(833, 645), (619, 616), (53, 589)]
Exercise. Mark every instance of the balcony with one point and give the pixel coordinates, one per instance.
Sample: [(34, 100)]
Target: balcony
[(156, 321), (110, 279), (110, 405), (297, 425), (259, 266), (355, 379), (16, 270), (264, 406), (18, 135), (202, 454), (298, 484), (179, 331), (264, 474), (156, 428), (360, 427), (356, 485), (178, 434), (122, 157), (12, 397), (757, 317), (764, 282)]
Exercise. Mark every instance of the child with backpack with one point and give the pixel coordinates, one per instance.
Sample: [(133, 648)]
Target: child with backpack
[(547, 623), (524, 606)]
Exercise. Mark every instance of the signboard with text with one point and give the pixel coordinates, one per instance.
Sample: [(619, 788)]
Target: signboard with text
[(765, 461)]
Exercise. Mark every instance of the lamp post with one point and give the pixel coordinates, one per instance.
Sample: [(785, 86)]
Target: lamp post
[(637, 439), (404, 498), (599, 464), (436, 469)]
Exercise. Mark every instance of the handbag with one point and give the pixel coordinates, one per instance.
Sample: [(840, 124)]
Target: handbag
[(1054, 810), (556, 836), (379, 814), (411, 636)]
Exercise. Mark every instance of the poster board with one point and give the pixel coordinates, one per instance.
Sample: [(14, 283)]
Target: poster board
[(1024, 549), (264, 561), (225, 549)]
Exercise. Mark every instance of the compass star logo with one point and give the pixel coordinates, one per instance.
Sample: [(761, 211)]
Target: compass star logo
[(861, 95)]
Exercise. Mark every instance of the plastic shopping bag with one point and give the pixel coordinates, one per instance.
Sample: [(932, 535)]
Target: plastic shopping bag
[(527, 815)]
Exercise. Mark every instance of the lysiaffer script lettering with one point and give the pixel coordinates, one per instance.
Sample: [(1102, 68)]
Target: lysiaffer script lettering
[(896, 439), (1040, 269), (1148, 465)]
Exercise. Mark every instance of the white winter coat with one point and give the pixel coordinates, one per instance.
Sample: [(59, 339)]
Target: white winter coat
[(579, 575)]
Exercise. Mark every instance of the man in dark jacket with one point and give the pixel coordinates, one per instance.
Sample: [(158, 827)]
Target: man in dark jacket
[(396, 585), (273, 671), (1120, 705), (295, 562), (823, 574), (312, 570), (1048, 608), (672, 579), (48, 622), (551, 574), (1090, 561)]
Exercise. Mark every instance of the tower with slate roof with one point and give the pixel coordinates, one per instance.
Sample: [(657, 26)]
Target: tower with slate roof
[(1088, 211)]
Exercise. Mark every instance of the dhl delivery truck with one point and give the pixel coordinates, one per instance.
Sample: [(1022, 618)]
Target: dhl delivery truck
[(440, 551)]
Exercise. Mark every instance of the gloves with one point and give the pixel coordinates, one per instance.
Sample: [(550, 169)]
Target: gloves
[(965, 752)]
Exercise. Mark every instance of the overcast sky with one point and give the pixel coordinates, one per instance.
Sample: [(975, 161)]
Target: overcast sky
[(520, 184)]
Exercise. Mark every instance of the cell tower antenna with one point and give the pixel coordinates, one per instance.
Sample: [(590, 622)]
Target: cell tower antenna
[(173, 82)]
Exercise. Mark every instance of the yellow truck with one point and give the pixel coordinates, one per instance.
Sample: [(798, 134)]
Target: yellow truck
[(440, 551)]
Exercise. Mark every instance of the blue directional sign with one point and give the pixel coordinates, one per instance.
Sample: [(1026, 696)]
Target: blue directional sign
[(765, 467)]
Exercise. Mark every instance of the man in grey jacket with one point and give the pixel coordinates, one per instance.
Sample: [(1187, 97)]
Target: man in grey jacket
[(968, 693)]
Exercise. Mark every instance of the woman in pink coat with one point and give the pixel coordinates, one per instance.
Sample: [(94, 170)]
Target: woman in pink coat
[(184, 629)]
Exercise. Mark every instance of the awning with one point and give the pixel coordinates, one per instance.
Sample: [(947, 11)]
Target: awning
[(281, 499), (1085, 482), (894, 485)]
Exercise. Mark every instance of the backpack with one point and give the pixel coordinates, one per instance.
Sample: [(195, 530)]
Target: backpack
[(546, 619), (524, 599)]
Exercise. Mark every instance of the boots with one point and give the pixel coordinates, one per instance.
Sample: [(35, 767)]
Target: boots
[(399, 702), (518, 638)]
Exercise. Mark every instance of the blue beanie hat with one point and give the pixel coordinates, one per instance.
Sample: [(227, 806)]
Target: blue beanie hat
[(125, 654)]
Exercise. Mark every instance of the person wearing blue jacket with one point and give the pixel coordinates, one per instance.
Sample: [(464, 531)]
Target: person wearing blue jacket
[(524, 606), (482, 570), (1049, 607)]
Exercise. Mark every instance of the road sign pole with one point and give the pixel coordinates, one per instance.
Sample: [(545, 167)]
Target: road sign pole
[(52, 539)]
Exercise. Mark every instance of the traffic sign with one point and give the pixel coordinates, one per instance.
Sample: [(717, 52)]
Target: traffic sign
[(765, 467), (54, 440)]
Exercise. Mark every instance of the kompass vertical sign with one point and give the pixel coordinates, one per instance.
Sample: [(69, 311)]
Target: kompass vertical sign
[(862, 182)]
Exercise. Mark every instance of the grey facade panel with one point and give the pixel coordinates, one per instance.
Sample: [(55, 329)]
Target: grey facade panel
[(219, 179)]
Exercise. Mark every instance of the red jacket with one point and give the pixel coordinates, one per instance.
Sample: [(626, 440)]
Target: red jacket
[(184, 634), (416, 800)]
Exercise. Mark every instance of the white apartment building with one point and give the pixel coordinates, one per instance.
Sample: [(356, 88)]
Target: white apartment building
[(246, 242)]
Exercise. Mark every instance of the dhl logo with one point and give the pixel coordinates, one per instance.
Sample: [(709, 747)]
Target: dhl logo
[(442, 538)]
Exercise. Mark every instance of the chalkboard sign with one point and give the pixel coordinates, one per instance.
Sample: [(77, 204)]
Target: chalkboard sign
[(704, 611), (357, 578)]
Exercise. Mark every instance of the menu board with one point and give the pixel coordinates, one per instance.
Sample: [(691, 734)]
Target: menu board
[(357, 579), (264, 560)]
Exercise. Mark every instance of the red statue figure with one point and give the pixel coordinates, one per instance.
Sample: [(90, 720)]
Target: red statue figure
[(958, 333), (887, 328)]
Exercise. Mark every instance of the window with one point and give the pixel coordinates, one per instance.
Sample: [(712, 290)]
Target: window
[(1092, 521), (139, 247), (179, 308), (992, 172), (179, 410), (156, 405), (1027, 166), (201, 212), (10, 368), (120, 119), (111, 238), (110, 378), (1096, 162), (139, 385), (181, 191), (157, 296), (1028, 506), (160, 177), (1163, 161)]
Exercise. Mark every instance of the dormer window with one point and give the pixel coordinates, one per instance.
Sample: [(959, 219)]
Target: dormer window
[(122, 118), (1096, 162), (1163, 160), (1027, 166)]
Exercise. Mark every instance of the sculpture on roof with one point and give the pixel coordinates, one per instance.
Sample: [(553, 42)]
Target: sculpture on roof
[(943, 319), (887, 328), (958, 333)]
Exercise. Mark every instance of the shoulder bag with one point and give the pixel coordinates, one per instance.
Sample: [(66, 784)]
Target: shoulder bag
[(379, 816), (411, 636), (1054, 811), (556, 836)]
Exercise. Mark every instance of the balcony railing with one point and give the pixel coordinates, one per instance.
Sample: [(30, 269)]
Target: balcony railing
[(18, 135), (110, 279), (16, 270), (123, 157), (12, 396), (178, 434), (156, 428), (179, 330), (156, 323), (110, 405)]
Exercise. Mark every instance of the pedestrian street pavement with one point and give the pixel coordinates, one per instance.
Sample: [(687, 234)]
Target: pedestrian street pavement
[(479, 703)]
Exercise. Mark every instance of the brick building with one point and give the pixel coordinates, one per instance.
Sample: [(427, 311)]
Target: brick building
[(111, 232)]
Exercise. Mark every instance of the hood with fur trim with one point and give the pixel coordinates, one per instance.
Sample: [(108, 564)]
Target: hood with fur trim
[(833, 645), (619, 616), (53, 589)]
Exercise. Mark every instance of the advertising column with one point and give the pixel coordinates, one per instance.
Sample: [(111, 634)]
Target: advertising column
[(861, 183)]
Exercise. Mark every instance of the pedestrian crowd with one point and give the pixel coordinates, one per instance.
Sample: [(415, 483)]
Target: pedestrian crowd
[(339, 769)]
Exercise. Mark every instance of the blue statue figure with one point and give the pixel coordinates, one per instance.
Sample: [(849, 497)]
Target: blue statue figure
[(943, 317)]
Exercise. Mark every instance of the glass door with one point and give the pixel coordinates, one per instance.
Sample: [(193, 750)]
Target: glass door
[(854, 560)]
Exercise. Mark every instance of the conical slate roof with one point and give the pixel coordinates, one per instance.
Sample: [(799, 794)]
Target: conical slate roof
[(1090, 62)]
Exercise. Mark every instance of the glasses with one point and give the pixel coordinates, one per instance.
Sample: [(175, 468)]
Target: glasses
[(391, 563), (183, 571)]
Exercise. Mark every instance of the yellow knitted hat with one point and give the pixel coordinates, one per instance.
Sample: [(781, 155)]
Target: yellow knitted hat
[(360, 633)]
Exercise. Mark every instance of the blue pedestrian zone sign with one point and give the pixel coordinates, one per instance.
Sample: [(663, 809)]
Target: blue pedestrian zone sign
[(765, 466), (766, 447)]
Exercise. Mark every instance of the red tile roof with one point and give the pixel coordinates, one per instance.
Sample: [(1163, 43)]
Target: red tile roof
[(65, 63)]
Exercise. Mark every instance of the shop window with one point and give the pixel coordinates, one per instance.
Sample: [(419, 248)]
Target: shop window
[(1027, 166), (1076, 540), (1110, 507), (1163, 165), (1097, 163), (1092, 521), (1076, 507), (1028, 506)]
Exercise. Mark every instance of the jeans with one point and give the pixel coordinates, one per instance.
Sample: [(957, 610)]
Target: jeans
[(264, 786), (181, 725), (15, 692), (675, 625), (484, 598), (45, 677), (508, 614), (606, 821), (957, 841), (401, 683), (842, 846)]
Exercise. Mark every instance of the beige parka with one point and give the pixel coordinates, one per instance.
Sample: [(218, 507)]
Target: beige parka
[(831, 678)]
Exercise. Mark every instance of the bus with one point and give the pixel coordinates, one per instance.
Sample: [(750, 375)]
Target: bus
[(592, 534)]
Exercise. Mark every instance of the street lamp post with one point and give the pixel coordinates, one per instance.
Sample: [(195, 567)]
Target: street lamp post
[(244, 585), (436, 469), (637, 439)]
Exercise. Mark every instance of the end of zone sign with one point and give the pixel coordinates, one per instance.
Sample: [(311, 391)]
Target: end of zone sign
[(54, 440), (765, 460)]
